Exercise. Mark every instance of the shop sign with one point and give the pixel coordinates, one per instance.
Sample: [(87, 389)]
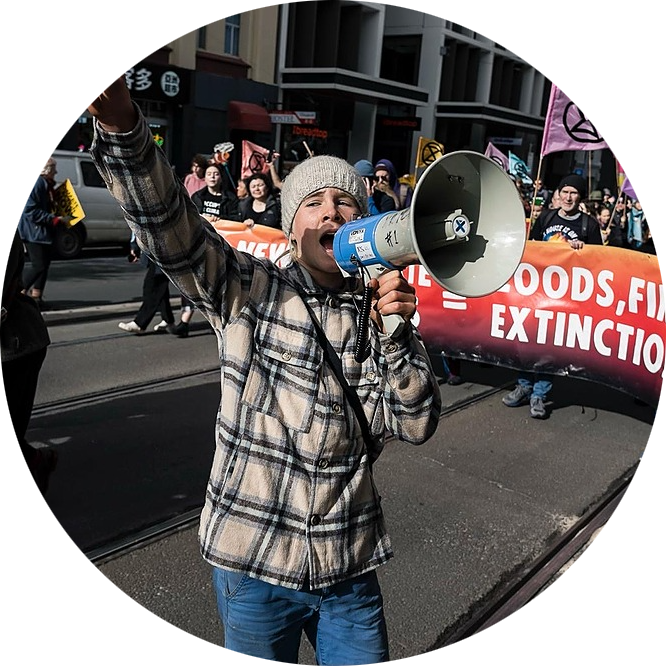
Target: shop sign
[(293, 117), (159, 83), (412, 123)]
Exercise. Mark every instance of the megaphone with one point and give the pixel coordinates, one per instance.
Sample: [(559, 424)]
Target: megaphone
[(466, 226)]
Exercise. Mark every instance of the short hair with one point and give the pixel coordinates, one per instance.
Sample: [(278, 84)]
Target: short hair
[(258, 176)]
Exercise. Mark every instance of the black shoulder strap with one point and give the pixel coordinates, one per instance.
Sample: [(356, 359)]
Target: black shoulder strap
[(336, 365)]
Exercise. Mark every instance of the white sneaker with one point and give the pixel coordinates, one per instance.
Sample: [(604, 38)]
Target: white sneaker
[(163, 326), (131, 327)]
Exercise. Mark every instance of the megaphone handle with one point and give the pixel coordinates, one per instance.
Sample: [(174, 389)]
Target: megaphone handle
[(390, 322), (362, 347)]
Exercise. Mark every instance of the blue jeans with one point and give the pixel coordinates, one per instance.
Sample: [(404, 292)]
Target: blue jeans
[(345, 622), (540, 387)]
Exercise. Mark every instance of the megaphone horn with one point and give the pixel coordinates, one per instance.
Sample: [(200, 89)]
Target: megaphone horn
[(466, 226)]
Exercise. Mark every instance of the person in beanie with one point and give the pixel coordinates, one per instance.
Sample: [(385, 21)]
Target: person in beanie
[(292, 522), (566, 224)]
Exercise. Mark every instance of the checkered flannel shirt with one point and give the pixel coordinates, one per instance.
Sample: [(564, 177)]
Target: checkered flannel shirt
[(291, 497)]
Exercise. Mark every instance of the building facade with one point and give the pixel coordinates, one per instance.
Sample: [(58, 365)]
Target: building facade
[(360, 80)]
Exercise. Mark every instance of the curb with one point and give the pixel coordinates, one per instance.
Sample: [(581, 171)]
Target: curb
[(95, 312)]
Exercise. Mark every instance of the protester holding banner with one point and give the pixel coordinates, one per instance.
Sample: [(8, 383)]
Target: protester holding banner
[(292, 516), (213, 202), (564, 224), (611, 234), (37, 228), (262, 206)]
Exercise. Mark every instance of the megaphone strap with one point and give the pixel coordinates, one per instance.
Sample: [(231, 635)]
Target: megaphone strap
[(336, 365)]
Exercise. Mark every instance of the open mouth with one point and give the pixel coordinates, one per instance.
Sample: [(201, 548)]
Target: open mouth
[(326, 241)]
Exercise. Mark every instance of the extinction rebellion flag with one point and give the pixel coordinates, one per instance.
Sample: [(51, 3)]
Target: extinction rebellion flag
[(567, 128)]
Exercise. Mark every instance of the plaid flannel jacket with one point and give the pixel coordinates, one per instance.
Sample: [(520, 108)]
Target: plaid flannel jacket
[(291, 497)]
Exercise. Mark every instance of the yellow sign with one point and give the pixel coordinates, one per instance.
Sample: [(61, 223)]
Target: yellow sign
[(428, 151), (65, 202)]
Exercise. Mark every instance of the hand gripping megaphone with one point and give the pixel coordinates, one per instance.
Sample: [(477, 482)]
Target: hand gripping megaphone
[(466, 226)]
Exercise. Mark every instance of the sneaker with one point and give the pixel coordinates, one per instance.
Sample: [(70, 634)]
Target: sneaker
[(164, 326), (519, 396), (131, 327), (182, 330), (454, 380), (537, 408)]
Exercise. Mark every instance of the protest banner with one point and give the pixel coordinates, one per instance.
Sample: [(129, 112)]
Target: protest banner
[(596, 314), (567, 128), (497, 155), (66, 202), (254, 159)]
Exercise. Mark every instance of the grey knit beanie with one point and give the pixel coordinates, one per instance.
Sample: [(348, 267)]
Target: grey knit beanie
[(316, 173)]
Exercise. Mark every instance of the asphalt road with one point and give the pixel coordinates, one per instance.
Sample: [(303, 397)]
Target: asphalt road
[(488, 494)]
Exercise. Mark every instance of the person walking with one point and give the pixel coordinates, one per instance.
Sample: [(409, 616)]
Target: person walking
[(36, 229), (156, 297), (195, 180), (292, 523), (25, 340), (571, 225)]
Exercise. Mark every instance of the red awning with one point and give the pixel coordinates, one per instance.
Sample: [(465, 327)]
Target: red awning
[(246, 116)]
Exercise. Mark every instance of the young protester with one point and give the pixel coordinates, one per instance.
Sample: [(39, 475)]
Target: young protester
[(292, 523), (568, 224)]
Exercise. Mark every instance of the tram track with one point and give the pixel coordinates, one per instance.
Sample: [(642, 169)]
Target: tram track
[(531, 579), (95, 397), (513, 591), (133, 540)]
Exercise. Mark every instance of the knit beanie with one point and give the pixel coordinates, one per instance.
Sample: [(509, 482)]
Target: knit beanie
[(316, 173), (575, 181)]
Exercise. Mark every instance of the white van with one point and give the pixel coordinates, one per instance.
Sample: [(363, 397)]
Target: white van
[(103, 223)]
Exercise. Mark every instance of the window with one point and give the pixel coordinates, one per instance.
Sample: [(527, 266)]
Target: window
[(201, 38), (400, 58), (91, 176), (232, 35)]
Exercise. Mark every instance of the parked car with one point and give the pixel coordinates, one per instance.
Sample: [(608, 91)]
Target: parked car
[(103, 223)]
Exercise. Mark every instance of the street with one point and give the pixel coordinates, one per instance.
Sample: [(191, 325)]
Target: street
[(132, 418)]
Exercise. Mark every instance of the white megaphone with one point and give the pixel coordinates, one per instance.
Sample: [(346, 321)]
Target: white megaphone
[(466, 226)]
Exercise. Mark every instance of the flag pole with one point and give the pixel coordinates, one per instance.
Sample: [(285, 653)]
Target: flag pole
[(534, 193)]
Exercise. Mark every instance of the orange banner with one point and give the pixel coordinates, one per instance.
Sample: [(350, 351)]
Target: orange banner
[(596, 313)]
